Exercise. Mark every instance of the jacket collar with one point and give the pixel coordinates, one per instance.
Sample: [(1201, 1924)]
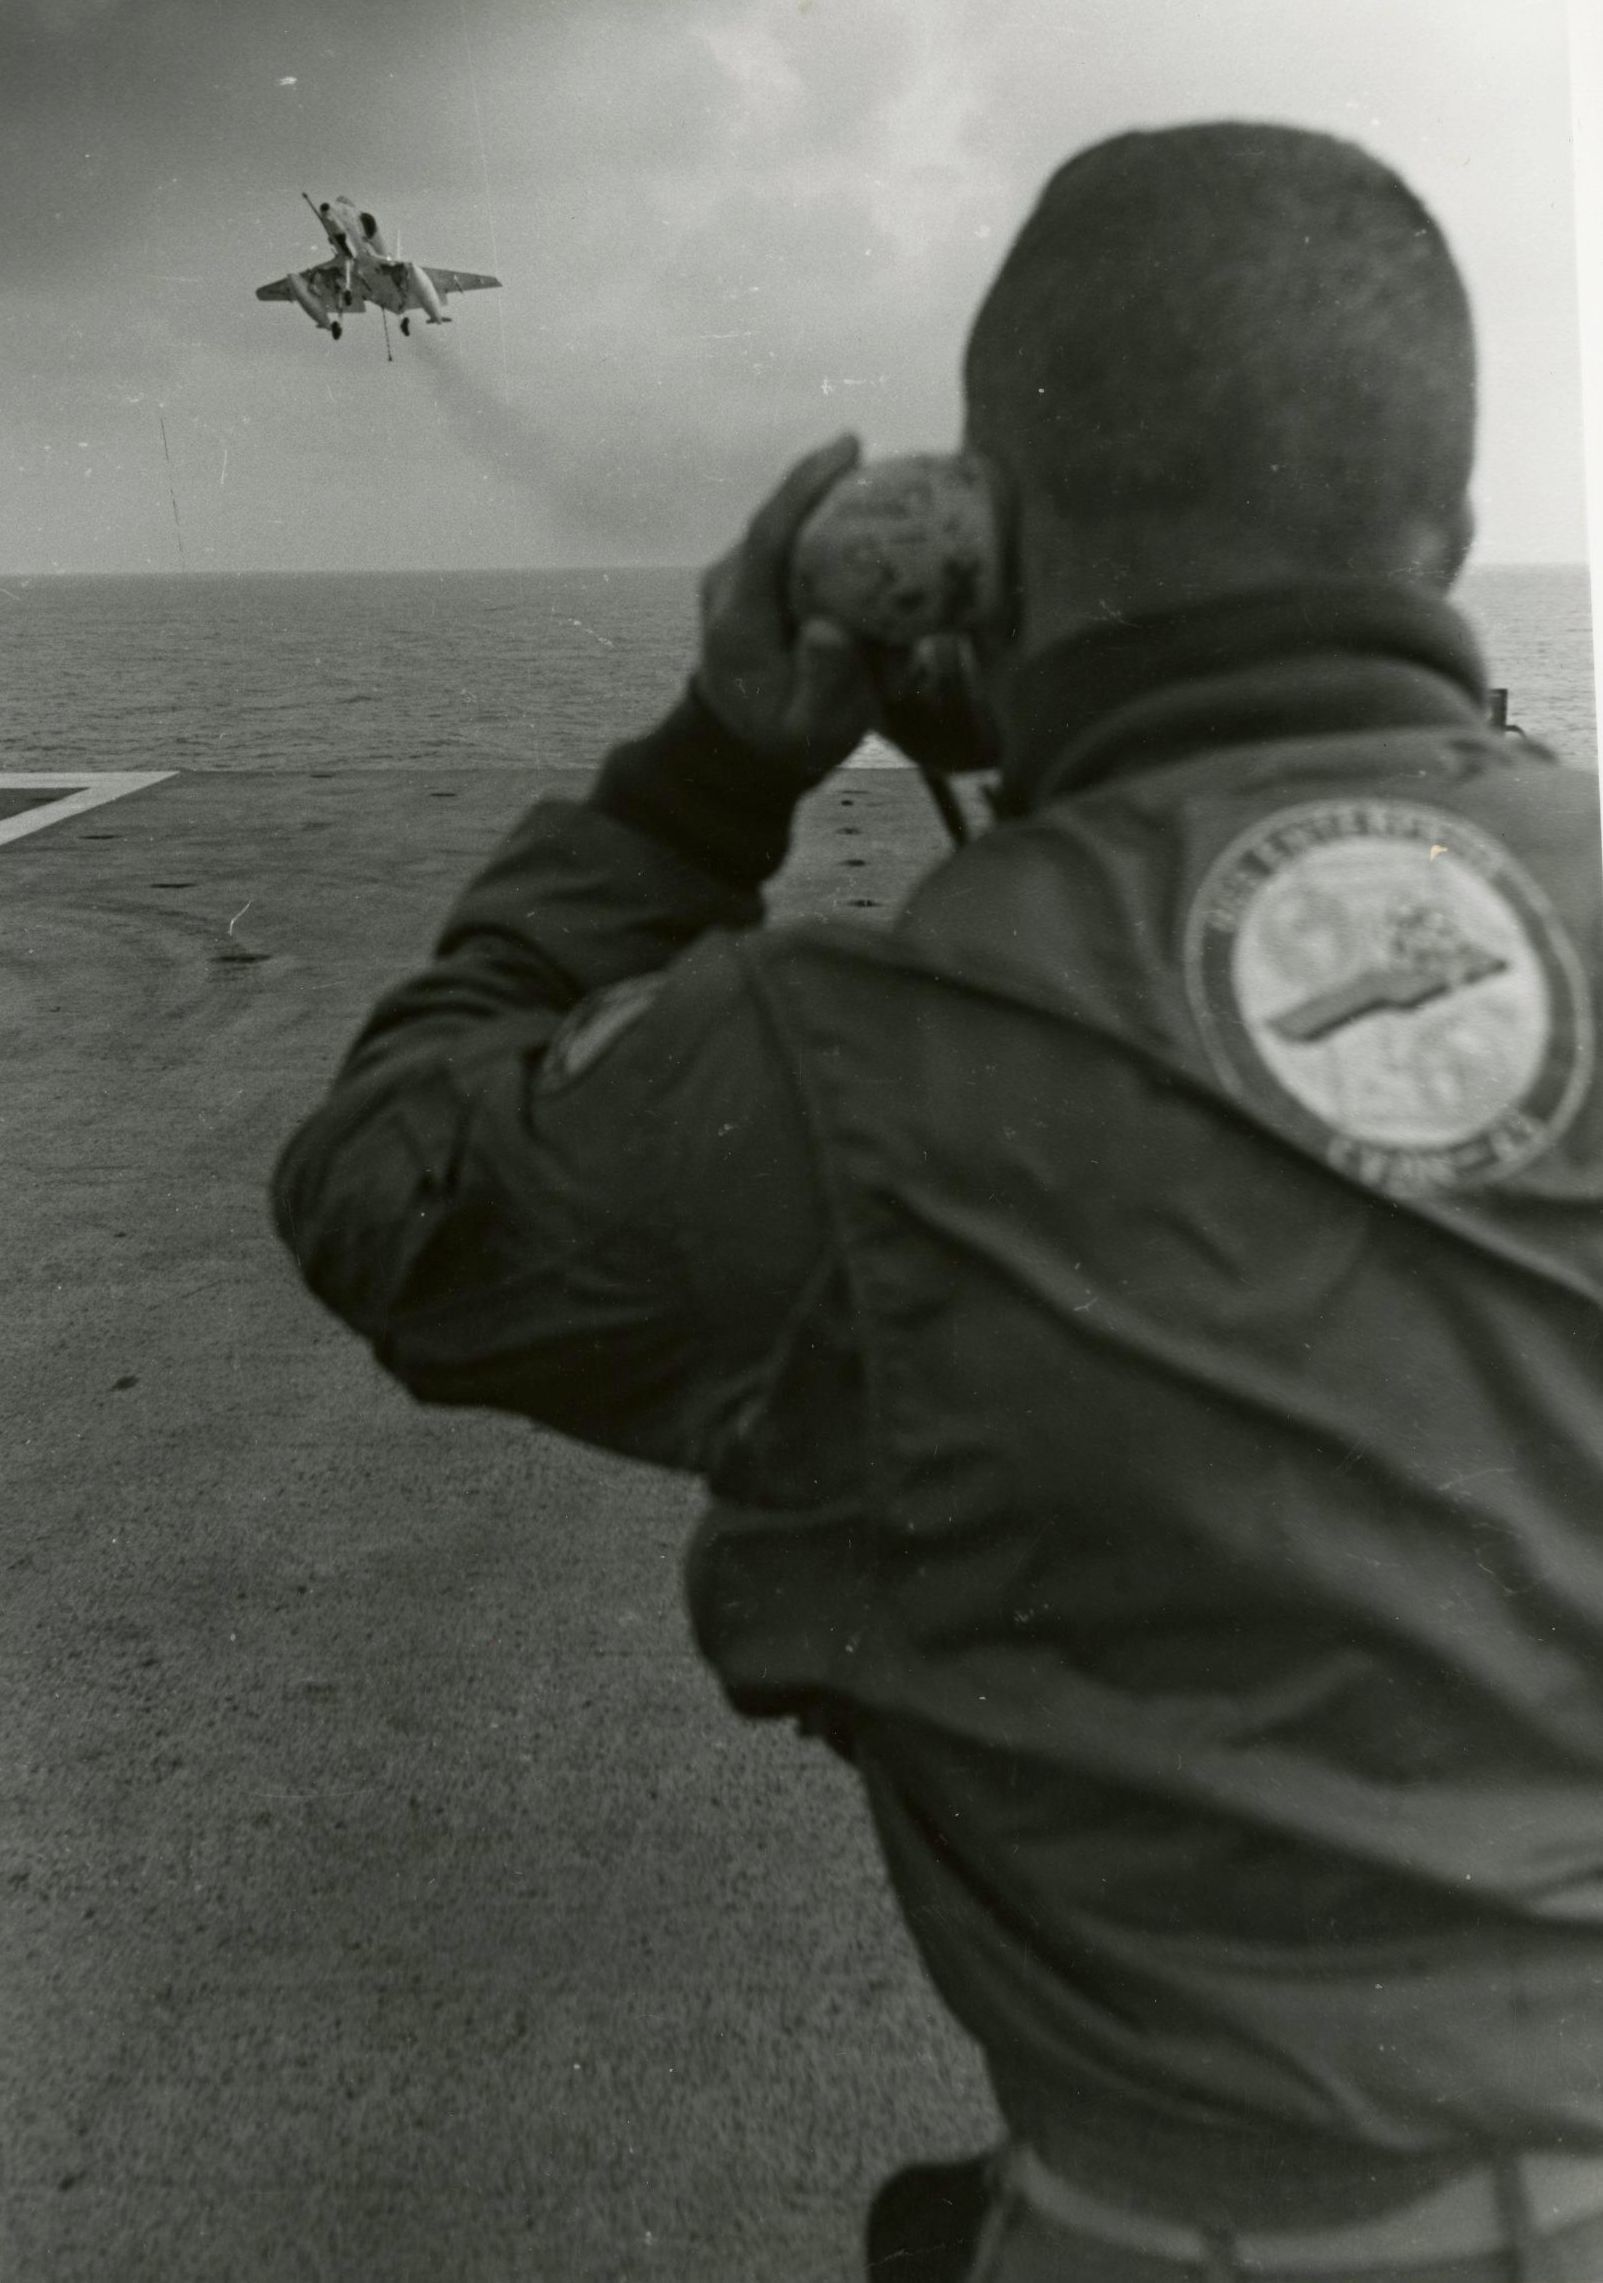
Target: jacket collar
[(1291, 663)]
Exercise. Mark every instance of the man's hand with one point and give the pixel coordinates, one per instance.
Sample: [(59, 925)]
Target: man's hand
[(805, 696)]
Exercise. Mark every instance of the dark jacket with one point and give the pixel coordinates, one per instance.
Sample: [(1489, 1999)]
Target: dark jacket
[(1138, 1317)]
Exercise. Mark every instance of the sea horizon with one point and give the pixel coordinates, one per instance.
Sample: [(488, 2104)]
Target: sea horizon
[(412, 667), (589, 570)]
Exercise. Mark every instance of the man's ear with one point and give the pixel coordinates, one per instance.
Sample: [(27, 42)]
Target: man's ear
[(1455, 542), (1432, 553), (1003, 630)]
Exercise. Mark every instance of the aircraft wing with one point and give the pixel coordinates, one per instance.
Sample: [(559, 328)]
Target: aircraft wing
[(458, 281), (325, 273)]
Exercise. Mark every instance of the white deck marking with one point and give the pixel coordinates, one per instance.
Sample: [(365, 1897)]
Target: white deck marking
[(877, 752), (79, 791)]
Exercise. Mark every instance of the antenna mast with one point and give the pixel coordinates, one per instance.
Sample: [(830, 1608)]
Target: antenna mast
[(172, 493)]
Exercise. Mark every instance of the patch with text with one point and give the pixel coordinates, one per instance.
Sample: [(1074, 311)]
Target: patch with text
[(1388, 983)]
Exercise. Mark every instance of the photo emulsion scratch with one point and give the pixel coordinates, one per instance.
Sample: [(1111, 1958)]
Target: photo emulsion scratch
[(799, 941)]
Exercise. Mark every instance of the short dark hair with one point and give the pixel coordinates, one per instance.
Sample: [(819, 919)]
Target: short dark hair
[(1253, 328)]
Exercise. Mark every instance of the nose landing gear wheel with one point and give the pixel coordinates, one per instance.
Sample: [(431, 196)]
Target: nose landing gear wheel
[(336, 329), (406, 326)]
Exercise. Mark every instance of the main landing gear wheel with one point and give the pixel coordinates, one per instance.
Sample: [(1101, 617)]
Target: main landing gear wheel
[(406, 327), (336, 329)]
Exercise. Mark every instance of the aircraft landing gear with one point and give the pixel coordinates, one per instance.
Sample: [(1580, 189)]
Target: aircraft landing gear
[(406, 327), (336, 329)]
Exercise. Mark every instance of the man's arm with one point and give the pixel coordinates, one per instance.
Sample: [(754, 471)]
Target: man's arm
[(559, 1173)]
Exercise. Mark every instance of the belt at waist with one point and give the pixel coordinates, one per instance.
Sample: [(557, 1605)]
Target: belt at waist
[(1479, 2213)]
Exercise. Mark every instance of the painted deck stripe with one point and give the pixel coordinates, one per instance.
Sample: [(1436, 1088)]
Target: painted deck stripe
[(79, 791), (878, 753)]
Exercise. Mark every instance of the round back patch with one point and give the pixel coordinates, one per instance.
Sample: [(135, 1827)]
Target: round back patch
[(1388, 983)]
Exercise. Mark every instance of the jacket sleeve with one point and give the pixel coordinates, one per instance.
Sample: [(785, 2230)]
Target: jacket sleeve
[(561, 1171)]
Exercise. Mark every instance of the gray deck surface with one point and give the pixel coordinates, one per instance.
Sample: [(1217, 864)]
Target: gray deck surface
[(385, 1891)]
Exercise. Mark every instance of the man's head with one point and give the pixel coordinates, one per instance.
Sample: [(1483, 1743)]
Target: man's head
[(1222, 356)]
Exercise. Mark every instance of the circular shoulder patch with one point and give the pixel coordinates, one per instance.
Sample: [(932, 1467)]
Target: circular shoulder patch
[(1385, 981)]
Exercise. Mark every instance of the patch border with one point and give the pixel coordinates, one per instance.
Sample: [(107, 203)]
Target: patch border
[(1478, 1161)]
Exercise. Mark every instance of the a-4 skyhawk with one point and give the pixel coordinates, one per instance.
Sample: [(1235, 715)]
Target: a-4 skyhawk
[(366, 270)]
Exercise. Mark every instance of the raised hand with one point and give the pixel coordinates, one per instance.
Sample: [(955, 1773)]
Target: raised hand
[(802, 696)]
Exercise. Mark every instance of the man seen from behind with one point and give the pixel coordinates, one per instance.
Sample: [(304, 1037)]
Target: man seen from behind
[(1137, 1315)]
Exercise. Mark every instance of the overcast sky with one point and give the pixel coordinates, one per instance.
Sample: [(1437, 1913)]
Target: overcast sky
[(727, 228)]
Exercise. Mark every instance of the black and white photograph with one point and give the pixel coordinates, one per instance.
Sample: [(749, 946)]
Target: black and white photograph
[(801, 1139)]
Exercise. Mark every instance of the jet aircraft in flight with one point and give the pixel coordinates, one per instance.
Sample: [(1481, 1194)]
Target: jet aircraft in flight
[(366, 269)]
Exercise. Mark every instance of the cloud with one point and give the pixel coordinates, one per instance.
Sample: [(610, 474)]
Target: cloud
[(726, 227)]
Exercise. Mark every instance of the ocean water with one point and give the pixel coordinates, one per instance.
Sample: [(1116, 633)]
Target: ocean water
[(1535, 628), (408, 670), (494, 668)]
